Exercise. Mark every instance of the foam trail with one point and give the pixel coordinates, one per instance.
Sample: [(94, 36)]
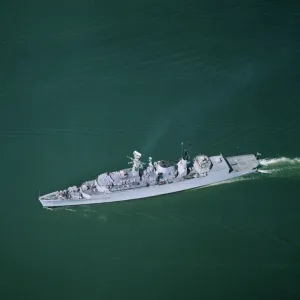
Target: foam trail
[(265, 171), (280, 167), (280, 160), (70, 209)]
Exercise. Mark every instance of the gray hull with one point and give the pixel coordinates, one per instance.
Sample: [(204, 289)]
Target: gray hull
[(232, 167)]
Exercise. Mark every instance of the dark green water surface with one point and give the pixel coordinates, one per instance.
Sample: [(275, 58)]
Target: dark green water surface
[(84, 83)]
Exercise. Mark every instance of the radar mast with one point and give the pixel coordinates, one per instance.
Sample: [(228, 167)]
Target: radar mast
[(136, 162)]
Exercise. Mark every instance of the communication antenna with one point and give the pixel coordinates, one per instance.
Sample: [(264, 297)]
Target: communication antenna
[(182, 150), (190, 146)]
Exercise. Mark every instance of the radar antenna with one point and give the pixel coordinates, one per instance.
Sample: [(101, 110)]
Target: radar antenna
[(136, 162), (182, 150)]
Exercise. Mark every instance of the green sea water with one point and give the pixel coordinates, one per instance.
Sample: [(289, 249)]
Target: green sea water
[(84, 83)]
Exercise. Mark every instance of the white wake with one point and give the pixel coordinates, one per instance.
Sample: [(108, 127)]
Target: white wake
[(279, 161), (280, 167)]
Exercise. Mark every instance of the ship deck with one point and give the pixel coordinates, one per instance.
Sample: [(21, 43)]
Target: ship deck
[(242, 162)]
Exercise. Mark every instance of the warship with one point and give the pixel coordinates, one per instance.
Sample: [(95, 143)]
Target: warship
[(154, 178)]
